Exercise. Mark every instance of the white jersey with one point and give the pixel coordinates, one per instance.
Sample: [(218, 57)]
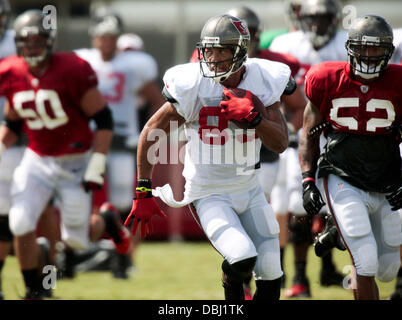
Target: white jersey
[(298, 45), (7, 48), (397, 57), (7, 44), (217, 158), (119, 82)]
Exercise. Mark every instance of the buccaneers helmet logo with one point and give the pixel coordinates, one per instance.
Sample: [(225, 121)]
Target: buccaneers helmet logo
[(241, 27)]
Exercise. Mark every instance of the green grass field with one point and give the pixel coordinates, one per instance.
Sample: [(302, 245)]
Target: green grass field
[(174, 271)]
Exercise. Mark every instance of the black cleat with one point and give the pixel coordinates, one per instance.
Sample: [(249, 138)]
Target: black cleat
[(66, 270), (121, 263), (331, 278), (34, 294)]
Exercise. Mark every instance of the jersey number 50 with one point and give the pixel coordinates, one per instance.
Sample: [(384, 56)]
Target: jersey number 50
[(40, 118)]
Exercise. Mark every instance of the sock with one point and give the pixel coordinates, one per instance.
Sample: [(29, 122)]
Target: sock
[(111, 225), (268, 290), (327, 263), (282, 251), (31, 279), (300, 268)]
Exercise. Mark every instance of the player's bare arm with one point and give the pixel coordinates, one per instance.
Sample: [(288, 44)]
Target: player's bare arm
[(272, 130), (9, 130), (161, 120), (309, 149), (93, 103), (294, 105), (152, 94)]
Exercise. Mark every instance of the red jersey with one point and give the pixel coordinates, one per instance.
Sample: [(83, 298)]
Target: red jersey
[(350, 106), (50, 104), (363, 135)]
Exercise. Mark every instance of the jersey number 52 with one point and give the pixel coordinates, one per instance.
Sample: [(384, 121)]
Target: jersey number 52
[(378, 113)]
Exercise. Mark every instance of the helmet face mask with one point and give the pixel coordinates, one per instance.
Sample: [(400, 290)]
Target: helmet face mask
[(369, 46), (222, 69), (319, 28), (224, 34), (34, 49)]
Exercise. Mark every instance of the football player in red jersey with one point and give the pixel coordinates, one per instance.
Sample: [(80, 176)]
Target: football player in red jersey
[(53, 97), (359, 105)]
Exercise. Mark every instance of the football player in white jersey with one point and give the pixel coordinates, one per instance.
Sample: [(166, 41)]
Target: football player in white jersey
[(124, 79), (318, 40), (294, 101), (217, 100), (130, 42)]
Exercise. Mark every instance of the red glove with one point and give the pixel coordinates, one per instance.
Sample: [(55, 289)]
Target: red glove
[(238, 104), (144, 207)]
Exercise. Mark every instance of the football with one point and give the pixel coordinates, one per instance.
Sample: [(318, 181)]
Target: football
[(259, 106)]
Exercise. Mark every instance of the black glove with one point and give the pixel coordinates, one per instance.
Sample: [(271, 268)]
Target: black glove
[(328, 239), (312, 200), (395, 199)]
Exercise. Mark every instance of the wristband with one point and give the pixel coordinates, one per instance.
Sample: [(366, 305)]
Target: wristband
[(256, 121), (143, 189), (308, 179), (144, 185), (308, 176), (96, 168)]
